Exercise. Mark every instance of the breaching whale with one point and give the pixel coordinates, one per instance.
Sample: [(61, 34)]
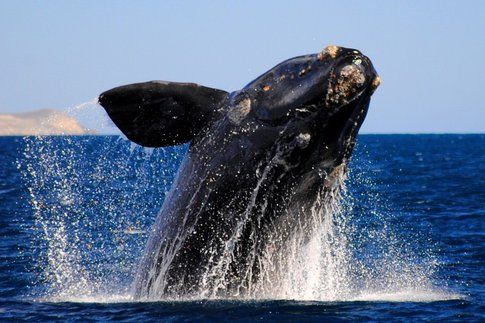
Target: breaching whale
[(258, 160)]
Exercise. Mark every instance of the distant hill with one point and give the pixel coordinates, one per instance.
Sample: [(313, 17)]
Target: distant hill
[(40, 122)]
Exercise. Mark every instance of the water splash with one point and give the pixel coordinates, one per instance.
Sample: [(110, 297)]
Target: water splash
[(93, 202), (93, 117), (83, 106), (319, 269), (95, 198), (351, 253), (84, 118)]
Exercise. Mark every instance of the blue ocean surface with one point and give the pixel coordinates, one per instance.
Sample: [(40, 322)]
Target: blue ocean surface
[(75, 214)]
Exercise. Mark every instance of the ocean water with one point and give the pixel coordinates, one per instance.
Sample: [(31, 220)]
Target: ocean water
[(408, 241)]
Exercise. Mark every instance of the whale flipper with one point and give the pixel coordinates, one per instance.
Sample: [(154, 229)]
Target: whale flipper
[(156, 113)]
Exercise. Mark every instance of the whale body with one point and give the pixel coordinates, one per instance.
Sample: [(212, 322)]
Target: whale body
[(258, 160)]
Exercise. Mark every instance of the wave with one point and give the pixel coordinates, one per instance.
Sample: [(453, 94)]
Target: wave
[(8, 190), (409, 296), (398, 296)]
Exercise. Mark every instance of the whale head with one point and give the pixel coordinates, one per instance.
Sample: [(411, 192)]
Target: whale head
[(321, 98), (330, 79)]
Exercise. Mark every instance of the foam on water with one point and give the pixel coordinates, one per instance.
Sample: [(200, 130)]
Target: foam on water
[(414, 296), (93, 214), (99, 298), (409, 296)]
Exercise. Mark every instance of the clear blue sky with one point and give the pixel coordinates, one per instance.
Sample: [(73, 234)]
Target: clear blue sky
[(430, 54)]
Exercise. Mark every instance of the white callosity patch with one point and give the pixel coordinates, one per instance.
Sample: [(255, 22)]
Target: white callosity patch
[(330, 50), (376, 82), (350, 80), (303, 139), (238, 112)]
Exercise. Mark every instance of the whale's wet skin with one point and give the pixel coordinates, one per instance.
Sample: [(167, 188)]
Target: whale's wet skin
[(264, 168)]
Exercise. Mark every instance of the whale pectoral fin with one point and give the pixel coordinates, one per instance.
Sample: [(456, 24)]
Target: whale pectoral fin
[(156, 114)]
